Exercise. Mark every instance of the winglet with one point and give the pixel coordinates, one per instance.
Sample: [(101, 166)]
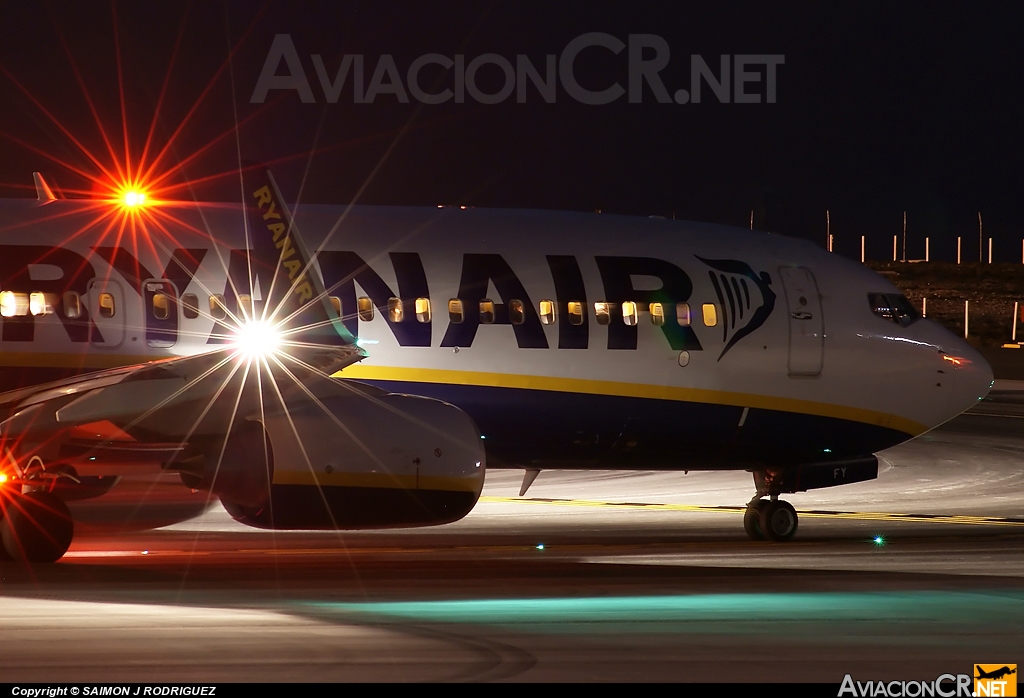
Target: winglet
[(43, 192), (291, 284)]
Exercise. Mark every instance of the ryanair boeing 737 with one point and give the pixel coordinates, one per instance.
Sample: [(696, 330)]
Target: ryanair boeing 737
[(366, 373)]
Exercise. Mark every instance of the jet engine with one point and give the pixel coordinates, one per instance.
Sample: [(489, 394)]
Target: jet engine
[(369, 460)]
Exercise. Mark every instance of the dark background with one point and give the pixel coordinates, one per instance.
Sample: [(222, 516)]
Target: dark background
[(880, 109)]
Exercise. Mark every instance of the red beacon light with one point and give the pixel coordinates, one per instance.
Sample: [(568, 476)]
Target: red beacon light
[(133, 198), (130, 196)]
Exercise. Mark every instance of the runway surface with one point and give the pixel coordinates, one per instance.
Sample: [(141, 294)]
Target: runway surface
[(592, 577)]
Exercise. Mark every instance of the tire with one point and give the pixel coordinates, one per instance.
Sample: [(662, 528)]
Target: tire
[(752, 520), (37, 528), (6, 499), (778, 521)]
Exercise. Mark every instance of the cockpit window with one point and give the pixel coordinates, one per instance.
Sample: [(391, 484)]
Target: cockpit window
[(893, 307)]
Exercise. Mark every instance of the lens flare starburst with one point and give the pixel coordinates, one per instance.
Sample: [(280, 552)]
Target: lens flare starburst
[(133, 198), (256, 339), (138, 215)]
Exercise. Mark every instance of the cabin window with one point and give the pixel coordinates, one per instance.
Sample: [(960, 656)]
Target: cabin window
[(13, 304), (336, 304), (547, 312), (72, 305), (161, 306), (106, 305), (603, 312), (487, 311), (365, 307), (516, 314), (189, 306), (657, 314), (396, 311), (423, 309), (710, 314), (455, 311), (39, 304), (630, 313), (574, 309), (218, 308), (245, 307), (683, 314)]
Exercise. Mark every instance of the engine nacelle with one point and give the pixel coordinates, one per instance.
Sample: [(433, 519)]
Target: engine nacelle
[(365, 461)]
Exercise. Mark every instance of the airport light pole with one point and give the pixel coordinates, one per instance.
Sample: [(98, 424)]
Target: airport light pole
[(904, 236), (979, 238)]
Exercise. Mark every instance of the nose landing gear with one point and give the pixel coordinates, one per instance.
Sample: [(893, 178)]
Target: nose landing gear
[(773, 520), (769, 519)]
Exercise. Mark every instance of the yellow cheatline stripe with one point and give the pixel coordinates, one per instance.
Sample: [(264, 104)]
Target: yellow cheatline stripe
[(411, 481), (97, 358), (640, 390), (812, 514)]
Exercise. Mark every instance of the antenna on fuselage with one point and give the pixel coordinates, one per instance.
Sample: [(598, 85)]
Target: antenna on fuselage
[(528, 477), (43, 192)]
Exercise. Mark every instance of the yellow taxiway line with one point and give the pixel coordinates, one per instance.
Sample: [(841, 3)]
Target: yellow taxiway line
[(813, 514)]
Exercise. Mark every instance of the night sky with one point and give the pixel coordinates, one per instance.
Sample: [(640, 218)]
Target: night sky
[(879, 109)]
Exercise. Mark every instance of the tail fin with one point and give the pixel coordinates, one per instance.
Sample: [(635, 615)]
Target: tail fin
[(282, 269)]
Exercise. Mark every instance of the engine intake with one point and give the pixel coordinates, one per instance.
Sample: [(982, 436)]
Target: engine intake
[(365, 461)]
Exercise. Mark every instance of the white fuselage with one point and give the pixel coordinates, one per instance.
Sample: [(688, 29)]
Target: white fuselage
[(782, 359)]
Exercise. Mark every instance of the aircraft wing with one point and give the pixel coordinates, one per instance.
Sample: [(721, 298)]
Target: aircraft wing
[(153, 411), (253, 417), (150, 413)]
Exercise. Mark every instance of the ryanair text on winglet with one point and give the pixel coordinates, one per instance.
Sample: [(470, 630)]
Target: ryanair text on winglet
[(283, 242)]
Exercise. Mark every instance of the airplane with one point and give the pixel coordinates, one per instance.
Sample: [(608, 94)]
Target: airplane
[(366, 373), (994, 674)]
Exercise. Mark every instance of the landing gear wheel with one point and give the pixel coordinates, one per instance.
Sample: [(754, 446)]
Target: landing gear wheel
[(752, 520), (778, 520), (37, 527)]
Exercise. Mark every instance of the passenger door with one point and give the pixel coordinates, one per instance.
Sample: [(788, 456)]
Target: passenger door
[(806, 321)]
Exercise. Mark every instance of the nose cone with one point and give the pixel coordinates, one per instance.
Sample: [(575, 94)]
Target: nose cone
[(972, 375), (959, 369)]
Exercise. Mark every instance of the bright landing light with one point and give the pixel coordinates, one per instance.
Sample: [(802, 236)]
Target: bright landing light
[(257, 338), (134, 198)]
